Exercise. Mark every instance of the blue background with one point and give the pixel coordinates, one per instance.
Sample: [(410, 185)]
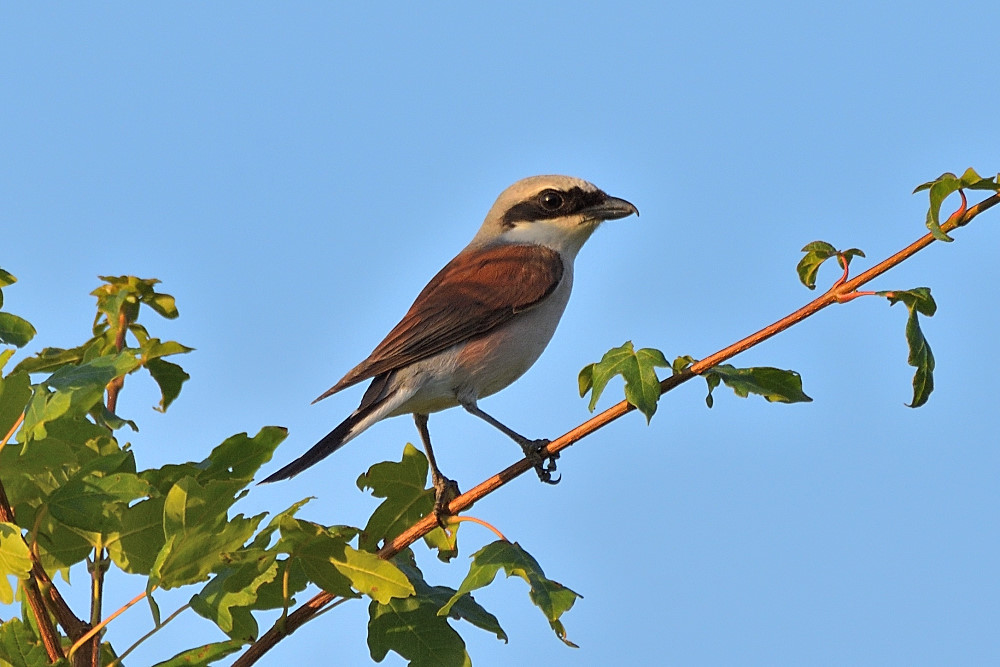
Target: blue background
[(295, 172)]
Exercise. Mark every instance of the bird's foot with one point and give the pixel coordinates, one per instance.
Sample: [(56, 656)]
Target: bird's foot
[(445, 490), (544, 465)]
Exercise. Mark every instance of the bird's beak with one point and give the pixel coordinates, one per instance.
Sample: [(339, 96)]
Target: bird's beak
[(611, 208)]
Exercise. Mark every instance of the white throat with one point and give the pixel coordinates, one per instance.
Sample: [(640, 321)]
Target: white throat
[(564, 236)]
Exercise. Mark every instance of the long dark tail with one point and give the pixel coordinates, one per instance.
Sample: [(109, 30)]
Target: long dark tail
[(330, 443)]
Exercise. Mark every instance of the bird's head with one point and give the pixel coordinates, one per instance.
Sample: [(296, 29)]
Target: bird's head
[(559, 212)]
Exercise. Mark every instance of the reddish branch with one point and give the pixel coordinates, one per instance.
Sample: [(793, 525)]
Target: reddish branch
[(116, 385), (842, 291), (41, 593), (50, 638)]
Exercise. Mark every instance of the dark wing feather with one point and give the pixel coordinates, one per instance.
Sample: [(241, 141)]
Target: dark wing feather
[(462, 302)]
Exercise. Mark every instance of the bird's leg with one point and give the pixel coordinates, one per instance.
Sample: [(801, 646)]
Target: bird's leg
[(445, 490), (544, 465)]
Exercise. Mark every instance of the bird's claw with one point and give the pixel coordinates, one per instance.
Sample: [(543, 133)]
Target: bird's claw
[(445, 490), (544, 465)]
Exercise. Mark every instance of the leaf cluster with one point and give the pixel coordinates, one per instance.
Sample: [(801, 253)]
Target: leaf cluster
[(76, 498), (643, 387), (946, 184)]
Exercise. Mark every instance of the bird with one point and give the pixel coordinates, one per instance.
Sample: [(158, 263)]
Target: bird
[(480, 323)]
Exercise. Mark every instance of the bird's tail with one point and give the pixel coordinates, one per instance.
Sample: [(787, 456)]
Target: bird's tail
[(358, 421)]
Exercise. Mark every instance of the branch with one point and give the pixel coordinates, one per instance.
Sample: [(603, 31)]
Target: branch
[(842, 291), (116, 385), (100, 625), (50, 638), (43, 596)]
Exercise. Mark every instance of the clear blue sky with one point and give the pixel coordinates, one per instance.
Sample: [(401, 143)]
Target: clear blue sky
[(295, 172)]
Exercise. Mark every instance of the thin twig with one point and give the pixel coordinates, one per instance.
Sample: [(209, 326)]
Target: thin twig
[(312, 607), (460, 519), (100, 563), (50, 638), (115, 386), (118, 660), (12, 431), (100, 626), (100, 566)]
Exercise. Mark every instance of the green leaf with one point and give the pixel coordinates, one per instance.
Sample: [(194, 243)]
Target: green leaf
[(60, 547), (15, 559), (378, 579), (228, 598), (465, 609), (105, 417), (917, 300), (203, 655), (407, 500), (96, 373), (20, 647), (15, 330), (139, 536), (6, 279), (642, 387), (198, 532), (551, 597), (681, 364), (945, 185), (94, 501), (154, 349), (774, 384), (445, 543), (164, 477), (411, 627), (51, 358), (239, 457), (311, 549), (15, 391), (818, 252), (163, 304), (169, 376), (5, 356), (78, 389)]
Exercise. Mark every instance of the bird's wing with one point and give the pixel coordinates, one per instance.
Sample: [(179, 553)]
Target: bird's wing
[(475, 292)]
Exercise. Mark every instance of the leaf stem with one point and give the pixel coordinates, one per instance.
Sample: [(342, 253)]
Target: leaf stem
[(100, 626), (118, 660), (12, 431), (460, 519)]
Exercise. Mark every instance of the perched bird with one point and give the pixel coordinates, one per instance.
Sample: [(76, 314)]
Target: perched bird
[(481, 322)]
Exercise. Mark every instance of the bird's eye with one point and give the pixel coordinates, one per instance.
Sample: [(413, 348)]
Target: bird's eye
[(550, 200)]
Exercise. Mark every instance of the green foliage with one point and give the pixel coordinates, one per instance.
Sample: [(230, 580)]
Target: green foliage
[(14, 330), (76, 492), (917, 300), (202, 655), (119, 302), (637, 368), (946, 184), (21, 647), (15, 559), (407, 500), (415, 628), (774, 384), (551, 597), (818, 252)]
